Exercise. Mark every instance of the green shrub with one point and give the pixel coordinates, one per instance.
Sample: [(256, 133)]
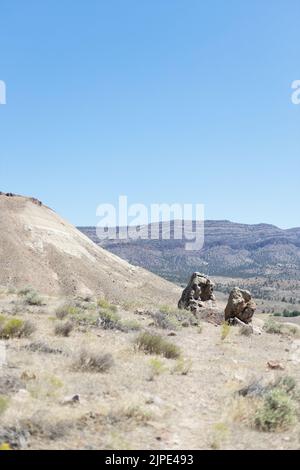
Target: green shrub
[(67, 309), (15, 328), (165, 309), (164, 321), (276, 412), (170, 318), (104, 304), (33, 298), (287, 383), (294, 313), (157, 367), (89, 361), (225, 330), (182, 367), (287, 314), (155, 344), (137, 414), (5, 446), (110, 320)]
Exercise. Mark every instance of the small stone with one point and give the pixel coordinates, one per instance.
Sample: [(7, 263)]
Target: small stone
[(26, 375), (275, 365), (71, 400)]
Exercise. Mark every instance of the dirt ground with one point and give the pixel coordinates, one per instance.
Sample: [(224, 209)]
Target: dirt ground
[(142, 401)]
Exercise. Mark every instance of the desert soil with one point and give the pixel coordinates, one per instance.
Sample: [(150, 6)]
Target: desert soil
[(191, 403)]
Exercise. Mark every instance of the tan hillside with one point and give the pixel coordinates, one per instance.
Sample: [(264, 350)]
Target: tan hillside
[(40, 249)]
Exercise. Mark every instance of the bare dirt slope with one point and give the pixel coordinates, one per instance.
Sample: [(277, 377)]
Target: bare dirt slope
[(40, 249)]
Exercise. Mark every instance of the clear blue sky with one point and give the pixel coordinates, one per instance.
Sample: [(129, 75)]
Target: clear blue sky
[(160, 100)]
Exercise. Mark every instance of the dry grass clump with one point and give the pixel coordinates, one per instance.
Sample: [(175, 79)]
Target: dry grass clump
[(136, 413), (157, 367), (225, 330), (3, 404), (272, 327), (176, 316), (39, 425), (63, 329), (89, 361), (62, 312), (15, 328), (219, 434), (155, 344), (67, 309), (171, 310), (45, 386), (165, 321), (130, 325), (78, 314), (41, 347), (182, 366), (246, 330), (109, 320)]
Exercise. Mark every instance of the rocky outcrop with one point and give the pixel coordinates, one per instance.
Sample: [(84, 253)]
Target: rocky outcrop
[(240, 305), (32, 199), (198, 293)]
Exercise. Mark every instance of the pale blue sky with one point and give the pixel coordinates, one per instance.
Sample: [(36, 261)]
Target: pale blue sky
[(183, 101)]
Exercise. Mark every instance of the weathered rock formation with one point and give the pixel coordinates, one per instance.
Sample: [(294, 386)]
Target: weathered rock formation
[(240, 305), (197, 294)]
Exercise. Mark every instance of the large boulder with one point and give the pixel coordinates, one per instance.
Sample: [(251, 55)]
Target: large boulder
[(198, 293), (240, 305)]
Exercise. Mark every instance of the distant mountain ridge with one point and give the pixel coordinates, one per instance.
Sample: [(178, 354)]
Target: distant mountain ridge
[(230, 249)]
